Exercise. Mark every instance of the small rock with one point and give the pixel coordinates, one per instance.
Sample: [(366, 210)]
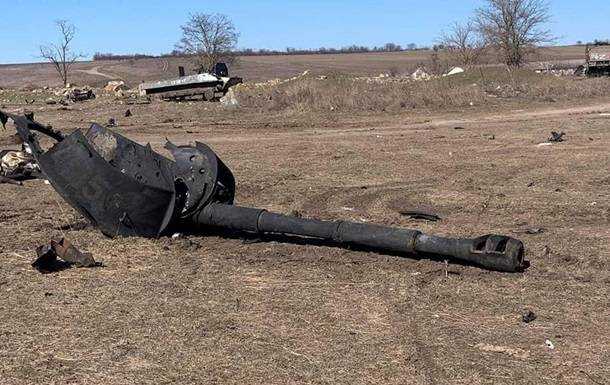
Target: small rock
[(111, 123), (455, 71), (114, 86), (549, 344), (229, 100), (420, 74), (128, 113)]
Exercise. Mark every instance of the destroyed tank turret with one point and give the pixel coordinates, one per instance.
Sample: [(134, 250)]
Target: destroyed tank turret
[(126, 189)]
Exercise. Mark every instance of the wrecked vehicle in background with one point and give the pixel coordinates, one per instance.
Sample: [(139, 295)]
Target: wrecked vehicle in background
[(126, 189), (210, 86), (597, 60)]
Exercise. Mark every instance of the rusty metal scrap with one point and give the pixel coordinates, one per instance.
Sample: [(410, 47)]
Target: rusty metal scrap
[(77, 95), (59, 255)]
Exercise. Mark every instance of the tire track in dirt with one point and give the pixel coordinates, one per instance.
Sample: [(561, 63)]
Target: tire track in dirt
[(396, 129), (411, 318), (95, 71)]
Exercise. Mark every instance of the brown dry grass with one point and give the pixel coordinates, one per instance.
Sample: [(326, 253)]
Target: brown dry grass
[(477, 87)]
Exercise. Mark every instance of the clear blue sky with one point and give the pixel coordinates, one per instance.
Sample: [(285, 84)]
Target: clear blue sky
[(152, 26)]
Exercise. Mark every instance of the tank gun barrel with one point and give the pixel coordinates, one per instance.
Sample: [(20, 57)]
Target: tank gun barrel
[(494, 252)]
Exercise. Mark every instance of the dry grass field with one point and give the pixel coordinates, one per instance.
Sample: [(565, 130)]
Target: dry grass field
[(251, 68), (215, 308)]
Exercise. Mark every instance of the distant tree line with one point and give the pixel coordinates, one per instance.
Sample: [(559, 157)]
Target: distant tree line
[(389, 47), (111, 56), (594, 42)]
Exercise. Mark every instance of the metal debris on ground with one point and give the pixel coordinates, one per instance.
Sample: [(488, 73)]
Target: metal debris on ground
[(419, 214), (146, 194), (60, 255), (77, 95), (46, 260), (557, 137), (5, 180), (530, 230), (138, 101), (528, 316), (66, 251), (18, 165)]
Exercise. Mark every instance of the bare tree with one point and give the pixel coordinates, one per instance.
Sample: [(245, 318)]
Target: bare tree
[(210, 38), (60, 54), (464, 42), (514, 27)]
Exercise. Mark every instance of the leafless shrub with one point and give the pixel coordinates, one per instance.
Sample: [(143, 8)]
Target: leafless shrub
[(438, 63), (514, 28), (210, 38), (464, 43), (61, 55)]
